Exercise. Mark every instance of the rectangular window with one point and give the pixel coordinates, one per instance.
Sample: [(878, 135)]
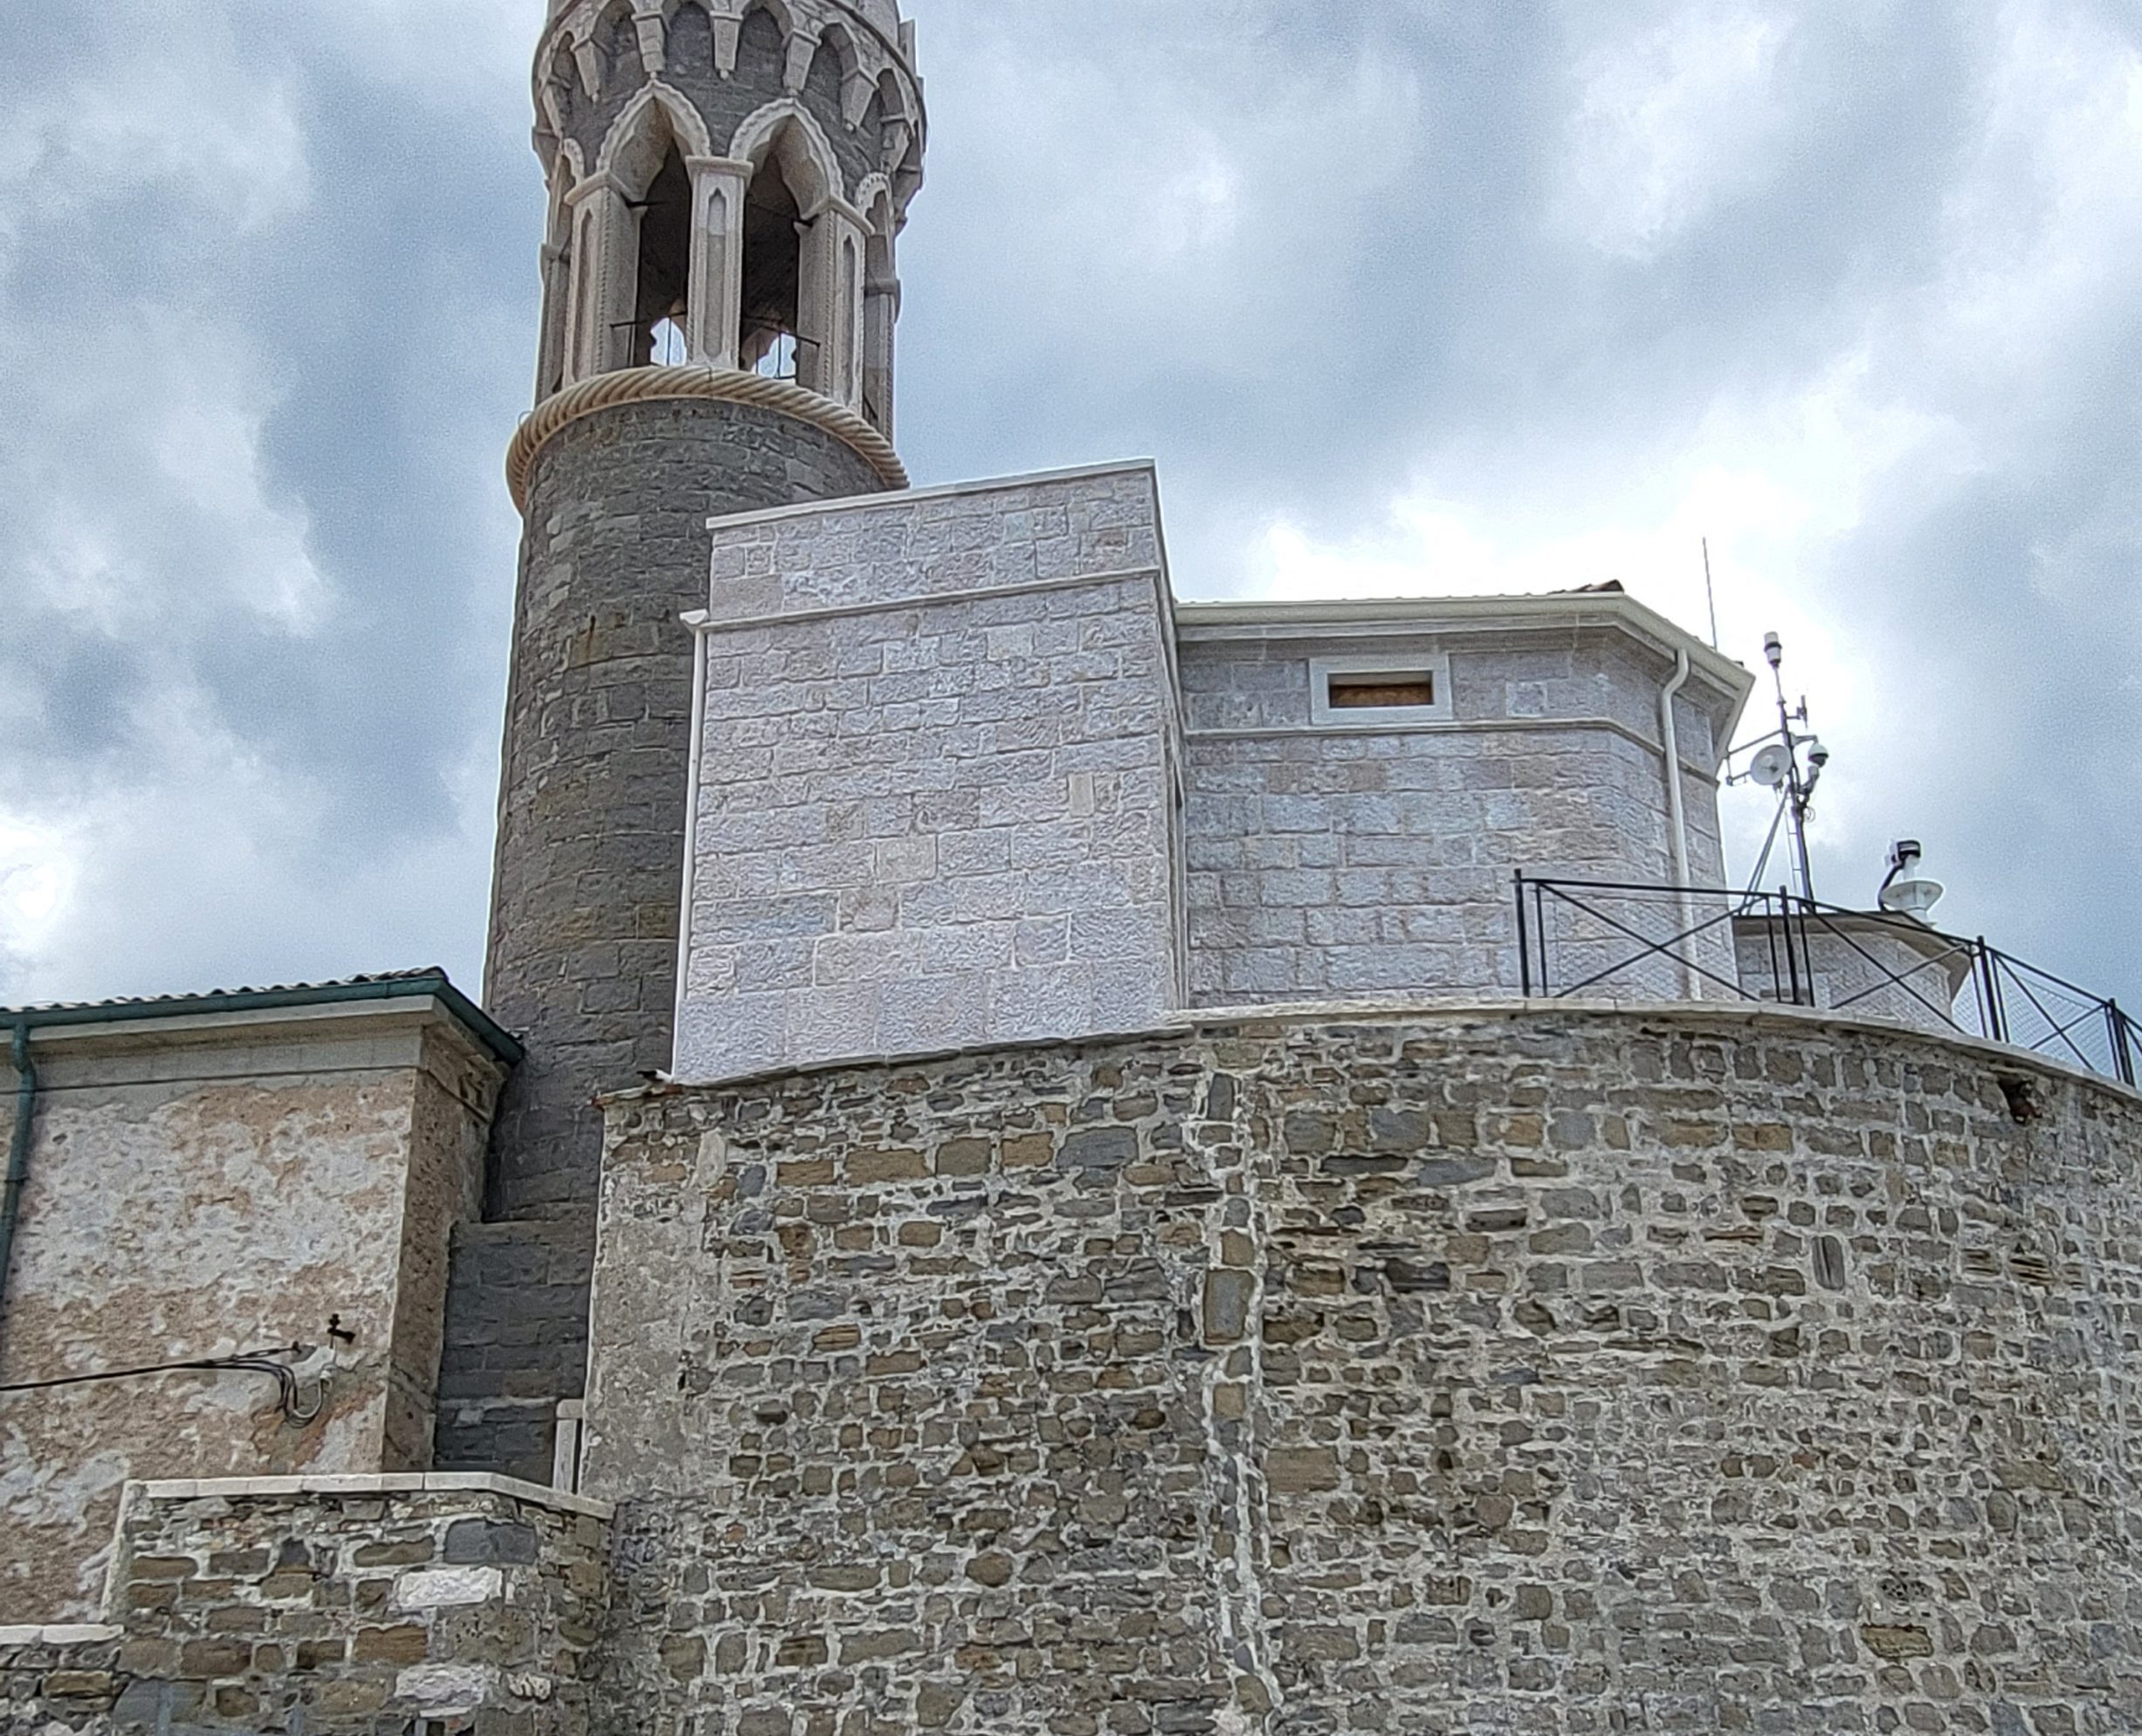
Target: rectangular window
[(1403, 689), (1359, 692)]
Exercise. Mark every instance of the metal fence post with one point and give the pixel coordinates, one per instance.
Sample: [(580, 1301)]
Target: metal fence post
[(1996, 1015), (1792, 961), (2123, 1053), (1525, 945)]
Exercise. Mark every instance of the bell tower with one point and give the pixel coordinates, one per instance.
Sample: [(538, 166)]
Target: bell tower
[(727, 180)]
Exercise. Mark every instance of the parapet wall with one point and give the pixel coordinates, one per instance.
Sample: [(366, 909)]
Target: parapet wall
[(1352, 851), (1695, 1369), (335, 1607)]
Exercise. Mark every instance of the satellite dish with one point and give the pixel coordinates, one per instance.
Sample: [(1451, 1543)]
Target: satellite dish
[(1772, 766)]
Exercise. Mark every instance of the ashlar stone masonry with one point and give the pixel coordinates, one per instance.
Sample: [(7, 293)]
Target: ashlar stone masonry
[(937, 794)]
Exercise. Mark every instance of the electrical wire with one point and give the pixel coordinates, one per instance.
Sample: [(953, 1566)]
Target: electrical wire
[(253, 1362)]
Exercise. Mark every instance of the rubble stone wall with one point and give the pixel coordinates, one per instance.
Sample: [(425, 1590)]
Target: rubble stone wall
[(335, 1607), (57, 1681), (1690, 1370)]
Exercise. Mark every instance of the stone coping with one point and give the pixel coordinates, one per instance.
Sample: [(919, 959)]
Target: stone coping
[(721, 385), (974, 488), (1265, 618), (379, 1483), (62, 1633), (1393, 1008)]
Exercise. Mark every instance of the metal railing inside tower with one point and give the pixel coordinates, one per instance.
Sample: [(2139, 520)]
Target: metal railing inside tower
[(1619, 939)]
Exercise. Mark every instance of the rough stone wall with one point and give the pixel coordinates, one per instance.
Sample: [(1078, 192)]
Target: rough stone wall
[(57, 1681), (350, 1609), (582, 959), (1361, 858), (215, 1189), (453, 1096), (936, 777), (516, 1340), (1698, 1369)]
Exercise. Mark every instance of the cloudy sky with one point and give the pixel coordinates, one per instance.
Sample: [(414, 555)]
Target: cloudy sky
[(1404, 295)]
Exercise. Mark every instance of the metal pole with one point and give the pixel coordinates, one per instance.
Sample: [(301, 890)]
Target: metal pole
[(1795, 792), (1524, 946), (1997, 1017), (1777, 970), (1978, 986), (1785, 921), (2123, 1057)]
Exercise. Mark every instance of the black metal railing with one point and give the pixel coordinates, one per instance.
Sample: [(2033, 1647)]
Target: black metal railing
[(1609, 938)]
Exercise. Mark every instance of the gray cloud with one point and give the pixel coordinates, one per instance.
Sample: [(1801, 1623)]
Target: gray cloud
[(1584, 281)]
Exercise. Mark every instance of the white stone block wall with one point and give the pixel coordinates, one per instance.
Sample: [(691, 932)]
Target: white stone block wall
[(1369, 858), (936, 801), (1866, 967)]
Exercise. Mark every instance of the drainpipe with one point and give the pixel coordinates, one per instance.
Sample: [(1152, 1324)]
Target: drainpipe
[(1677, 816), (701, 625), (18, 1156)]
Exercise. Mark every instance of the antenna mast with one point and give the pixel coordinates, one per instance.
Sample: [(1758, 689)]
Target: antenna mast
[(1710, 591), (1777, 766), (1798, 785)]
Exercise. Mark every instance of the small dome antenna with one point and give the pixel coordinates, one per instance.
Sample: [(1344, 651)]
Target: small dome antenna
[(1907, 891)]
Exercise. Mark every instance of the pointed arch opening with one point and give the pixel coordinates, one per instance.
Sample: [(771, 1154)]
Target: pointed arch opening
[(782, 301), (636, 260), (773, 301), (664, 264)]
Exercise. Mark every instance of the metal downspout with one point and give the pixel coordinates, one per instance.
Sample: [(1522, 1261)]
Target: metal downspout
[(1676, 818), (19, 1158)]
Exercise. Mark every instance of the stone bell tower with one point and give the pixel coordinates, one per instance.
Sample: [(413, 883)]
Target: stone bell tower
[(728, 179)]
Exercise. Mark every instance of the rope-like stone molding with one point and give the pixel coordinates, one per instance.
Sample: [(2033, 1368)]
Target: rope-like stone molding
[(723, 385)]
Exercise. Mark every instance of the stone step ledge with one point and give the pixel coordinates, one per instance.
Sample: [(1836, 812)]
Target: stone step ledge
[(77, 1633), (385, 1483)]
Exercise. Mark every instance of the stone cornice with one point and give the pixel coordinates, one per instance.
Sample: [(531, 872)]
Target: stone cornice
[(722, 385), (1414, 617)]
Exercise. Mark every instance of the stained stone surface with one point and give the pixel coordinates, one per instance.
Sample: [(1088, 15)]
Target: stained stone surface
[(1693, 1370)]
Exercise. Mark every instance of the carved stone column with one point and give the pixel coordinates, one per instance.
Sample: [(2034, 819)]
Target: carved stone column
[(831, 313), (881, 316), (605, 247), (715, 316)]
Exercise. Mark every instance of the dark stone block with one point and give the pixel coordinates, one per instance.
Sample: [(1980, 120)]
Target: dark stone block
[(475, 1542), (1098, 1148)]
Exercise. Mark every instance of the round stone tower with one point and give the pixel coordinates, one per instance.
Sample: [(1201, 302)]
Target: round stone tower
[(728, 179)]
